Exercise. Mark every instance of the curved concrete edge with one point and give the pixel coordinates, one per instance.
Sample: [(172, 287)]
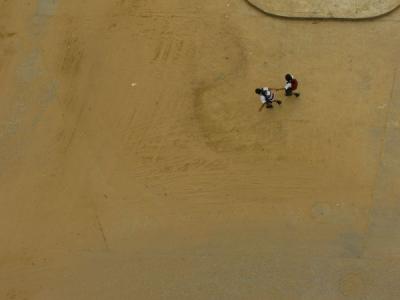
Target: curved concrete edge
[(270, 9)]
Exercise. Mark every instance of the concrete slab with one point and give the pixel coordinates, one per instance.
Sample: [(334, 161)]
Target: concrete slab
[(348, 9)]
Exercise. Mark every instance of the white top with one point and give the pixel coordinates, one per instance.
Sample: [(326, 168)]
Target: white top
[(270, 95), (288, 85)]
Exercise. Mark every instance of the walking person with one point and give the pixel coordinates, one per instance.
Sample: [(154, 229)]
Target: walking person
[(267, 97), (291, 85)]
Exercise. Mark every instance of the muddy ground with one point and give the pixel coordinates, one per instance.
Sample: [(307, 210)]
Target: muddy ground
[(134, 163)]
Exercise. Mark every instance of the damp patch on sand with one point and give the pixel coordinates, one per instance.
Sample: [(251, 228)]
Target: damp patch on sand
[(46, 7)]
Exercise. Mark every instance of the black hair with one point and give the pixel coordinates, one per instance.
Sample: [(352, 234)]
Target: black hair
[(258, 91), (288, 77)]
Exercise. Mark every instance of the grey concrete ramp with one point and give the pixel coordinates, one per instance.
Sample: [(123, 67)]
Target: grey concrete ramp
[(348, 9)]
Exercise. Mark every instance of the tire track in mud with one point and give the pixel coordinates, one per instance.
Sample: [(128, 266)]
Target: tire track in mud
[(71, 58), (224, 120), (212, 98), (161, 115)]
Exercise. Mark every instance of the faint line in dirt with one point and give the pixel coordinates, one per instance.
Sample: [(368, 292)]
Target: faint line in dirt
[(101, 229), (383, 214), (77, 123), (383, 138)]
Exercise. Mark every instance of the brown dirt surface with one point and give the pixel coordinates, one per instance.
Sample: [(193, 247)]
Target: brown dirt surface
[(135, 164)]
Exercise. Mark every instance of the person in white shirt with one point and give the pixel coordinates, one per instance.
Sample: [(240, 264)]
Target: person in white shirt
[(290, 86), (267, 97)]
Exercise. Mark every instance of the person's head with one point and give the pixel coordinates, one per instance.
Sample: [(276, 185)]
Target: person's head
[(288, 77), (258, 91)]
